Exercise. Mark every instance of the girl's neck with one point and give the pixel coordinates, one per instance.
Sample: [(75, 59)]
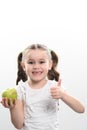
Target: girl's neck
[(38, 84)]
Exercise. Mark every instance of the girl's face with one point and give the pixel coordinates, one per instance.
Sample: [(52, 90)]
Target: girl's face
[(37, 64)]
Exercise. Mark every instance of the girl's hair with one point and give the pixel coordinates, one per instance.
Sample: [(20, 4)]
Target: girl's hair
[(53, 74), (21, 75)]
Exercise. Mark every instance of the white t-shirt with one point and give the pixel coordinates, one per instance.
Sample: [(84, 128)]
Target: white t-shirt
[(40, 109)]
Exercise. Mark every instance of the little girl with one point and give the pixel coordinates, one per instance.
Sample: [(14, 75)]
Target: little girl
[(39, 90)]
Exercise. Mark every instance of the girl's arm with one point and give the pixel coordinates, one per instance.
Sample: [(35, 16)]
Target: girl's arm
[(72, 102), (58, 93), (16, 112)]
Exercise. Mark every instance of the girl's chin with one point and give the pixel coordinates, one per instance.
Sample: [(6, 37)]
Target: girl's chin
[(36, 80)]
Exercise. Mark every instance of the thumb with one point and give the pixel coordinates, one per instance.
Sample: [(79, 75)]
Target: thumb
[(59, 83)]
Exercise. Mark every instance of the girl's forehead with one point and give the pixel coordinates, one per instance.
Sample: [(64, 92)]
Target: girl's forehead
[(38, 53)]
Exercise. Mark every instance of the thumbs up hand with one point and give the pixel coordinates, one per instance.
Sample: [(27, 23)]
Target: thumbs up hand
[(56, 92)]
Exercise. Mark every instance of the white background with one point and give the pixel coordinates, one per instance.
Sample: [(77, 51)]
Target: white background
[(62, 26)]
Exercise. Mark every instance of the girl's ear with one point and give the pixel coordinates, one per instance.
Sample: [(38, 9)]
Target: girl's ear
[(23, 66)]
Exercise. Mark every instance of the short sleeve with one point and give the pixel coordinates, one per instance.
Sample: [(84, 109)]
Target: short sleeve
[(20, 90)]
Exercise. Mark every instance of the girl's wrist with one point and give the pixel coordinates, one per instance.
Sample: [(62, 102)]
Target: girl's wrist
[(62, 94)]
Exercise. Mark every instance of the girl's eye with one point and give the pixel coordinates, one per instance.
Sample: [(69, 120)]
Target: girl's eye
[(41, 62), (30, 62)]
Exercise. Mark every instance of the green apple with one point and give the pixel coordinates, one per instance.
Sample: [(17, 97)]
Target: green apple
[(10, 93)]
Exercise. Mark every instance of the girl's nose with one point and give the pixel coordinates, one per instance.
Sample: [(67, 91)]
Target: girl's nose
[(36, 65)]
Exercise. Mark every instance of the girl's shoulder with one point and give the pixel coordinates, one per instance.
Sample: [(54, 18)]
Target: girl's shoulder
[(21, 86), (54, 83), (51, 83), (21, 90)]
